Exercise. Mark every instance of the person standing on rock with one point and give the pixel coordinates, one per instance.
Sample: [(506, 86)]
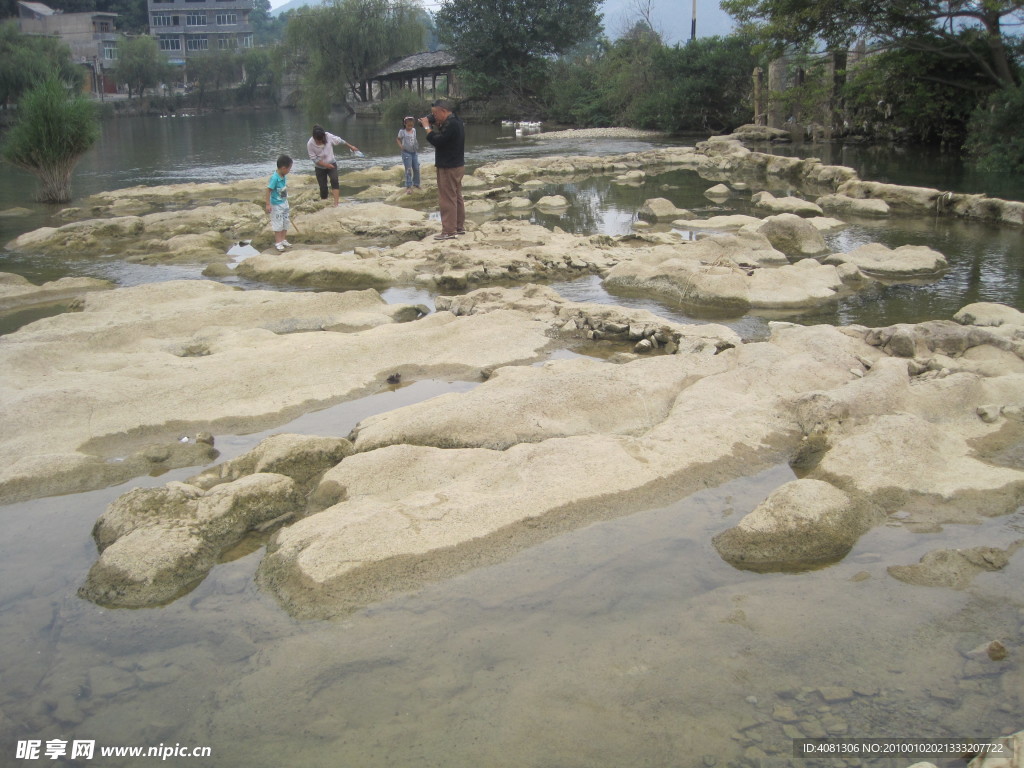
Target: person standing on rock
[(321, 151), (410, 146), (277, 202), (448, 135)]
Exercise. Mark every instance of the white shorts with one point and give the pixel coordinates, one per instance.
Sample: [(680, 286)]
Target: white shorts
[(279, 218)]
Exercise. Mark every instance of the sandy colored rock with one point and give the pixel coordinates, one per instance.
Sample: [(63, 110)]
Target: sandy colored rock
[(16, 292), (989, 314), (906, 261), (900, 197), (895, 459), (802, 524), (317, 269), (794, 236), (303, 458), (400, 514), (658, 209), (156, 542), (684, 273), (853, 206), (953, 568), (778, 205), (730, 222), (143, 363), (528, 405)]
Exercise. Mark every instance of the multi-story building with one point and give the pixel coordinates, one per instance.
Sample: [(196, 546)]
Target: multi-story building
[(90, 36), (186, 28)]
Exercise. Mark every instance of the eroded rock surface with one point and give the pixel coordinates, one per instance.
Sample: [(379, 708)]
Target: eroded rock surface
[(82, 391), (432, 488), (802, 524), (16, 292)]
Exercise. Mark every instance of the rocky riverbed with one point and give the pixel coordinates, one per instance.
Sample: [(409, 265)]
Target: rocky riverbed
[(923, 421)]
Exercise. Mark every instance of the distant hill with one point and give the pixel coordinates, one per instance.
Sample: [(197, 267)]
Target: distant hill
[(291, 5)]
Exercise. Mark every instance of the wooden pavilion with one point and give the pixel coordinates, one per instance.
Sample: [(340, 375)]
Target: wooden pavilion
[(429, 75)]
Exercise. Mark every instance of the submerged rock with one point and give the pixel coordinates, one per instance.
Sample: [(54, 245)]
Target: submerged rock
[(156, 542), (953, 568), (802, 524)]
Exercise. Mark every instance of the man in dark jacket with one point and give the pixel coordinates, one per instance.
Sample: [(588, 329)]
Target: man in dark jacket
[(448, 135)]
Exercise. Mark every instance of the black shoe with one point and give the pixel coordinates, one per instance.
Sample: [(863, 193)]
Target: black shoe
[(445, 236), (459, 232)]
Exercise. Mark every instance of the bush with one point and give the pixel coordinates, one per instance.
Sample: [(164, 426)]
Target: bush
[(996, 132), (639, 82), (911, 96), (54, 129), (403, 103)]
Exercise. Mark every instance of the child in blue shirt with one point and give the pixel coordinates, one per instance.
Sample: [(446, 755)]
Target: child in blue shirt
[(277, 202)]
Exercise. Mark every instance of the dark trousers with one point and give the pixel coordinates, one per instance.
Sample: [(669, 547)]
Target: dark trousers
[(322, 174), (449, 197)]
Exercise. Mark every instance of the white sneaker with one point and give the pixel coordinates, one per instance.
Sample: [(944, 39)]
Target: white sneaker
[(286, 244), (279, 246)]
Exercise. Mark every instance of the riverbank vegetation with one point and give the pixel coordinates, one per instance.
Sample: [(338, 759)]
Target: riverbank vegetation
[(903, 71), (914, 71), (54, 128)]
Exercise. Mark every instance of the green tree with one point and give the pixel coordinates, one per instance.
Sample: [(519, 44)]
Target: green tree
[(955, 30), (27, 60), (55, 127), (906, 95), (132, 15), (258, 71), (335, 48), (638, 81), (997, 132), (139, 64), (505, 46), (212, 70), (265, 28)]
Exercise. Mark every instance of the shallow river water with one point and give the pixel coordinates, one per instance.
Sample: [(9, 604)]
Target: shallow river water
[(628, 642)]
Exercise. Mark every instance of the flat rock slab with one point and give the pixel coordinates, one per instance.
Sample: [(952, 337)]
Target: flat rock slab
[(906, 261), (80, 391), (16, 292)]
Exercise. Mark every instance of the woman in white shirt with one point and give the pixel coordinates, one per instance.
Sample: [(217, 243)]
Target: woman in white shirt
[(321, 151)]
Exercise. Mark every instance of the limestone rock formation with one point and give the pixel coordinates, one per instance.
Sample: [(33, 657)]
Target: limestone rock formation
[(802, 524)]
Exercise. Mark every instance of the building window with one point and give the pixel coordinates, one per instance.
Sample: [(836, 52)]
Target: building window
[(197, 43), (101, 26), (225, 43), (227, 19), (162, 1), (168, 43), (110, 51), (247, 41), (195, 19), (164, 20)]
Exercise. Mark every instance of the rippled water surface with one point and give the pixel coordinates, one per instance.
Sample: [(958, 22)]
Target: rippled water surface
[(628, 642)]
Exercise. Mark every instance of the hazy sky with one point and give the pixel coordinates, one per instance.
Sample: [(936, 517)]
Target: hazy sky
[(671, 17)]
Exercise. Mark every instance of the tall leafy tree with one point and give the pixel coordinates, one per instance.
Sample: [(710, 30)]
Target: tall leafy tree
[(55, 127), (507, 44), (139, 64), (265, 28), (27, 60), (212, 70), (335, 48), (950, 29)]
